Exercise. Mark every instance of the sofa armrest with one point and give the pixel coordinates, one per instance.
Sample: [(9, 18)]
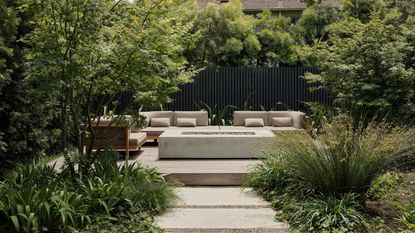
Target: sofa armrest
[(298, 120)]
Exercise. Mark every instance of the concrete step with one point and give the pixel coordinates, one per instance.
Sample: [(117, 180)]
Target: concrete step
[(220, 210), (219, 197), (196, 179), (220, 220), (228, 172)]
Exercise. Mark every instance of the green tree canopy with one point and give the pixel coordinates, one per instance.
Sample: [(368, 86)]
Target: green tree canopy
[(226, 36), (364, 65), (277, 43), (314, 19), (82, 49)]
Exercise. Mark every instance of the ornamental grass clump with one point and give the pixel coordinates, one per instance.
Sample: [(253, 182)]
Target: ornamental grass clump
[(346, 158)]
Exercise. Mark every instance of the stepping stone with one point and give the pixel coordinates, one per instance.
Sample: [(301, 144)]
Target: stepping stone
[(220, 220), (198, 172), (219, 197), (220, 210)]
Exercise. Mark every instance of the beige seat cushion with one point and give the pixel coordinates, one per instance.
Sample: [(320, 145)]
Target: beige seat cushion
[(298, 118), (158, 114), (201, 117), (254, 122), (160, 122), (240, 116), (282, 122), (270, 128), (137, 139), (186, 122)]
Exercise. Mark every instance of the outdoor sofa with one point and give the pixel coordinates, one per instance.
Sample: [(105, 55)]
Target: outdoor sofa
[(160, 121), (117, 136)]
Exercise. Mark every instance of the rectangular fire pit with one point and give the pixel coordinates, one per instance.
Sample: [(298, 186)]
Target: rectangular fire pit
[(213, 143), (217, 133)]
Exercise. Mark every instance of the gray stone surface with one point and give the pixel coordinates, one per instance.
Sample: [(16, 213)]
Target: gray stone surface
[(219, 197), (213, 143), (197, 171), (219, 218), (219, 210)]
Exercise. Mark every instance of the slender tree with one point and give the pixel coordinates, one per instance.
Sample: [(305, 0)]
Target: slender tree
[(83, 49)]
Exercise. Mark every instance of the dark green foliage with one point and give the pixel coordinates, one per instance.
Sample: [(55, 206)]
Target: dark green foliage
[(364, 66), (408, 216), (268, 177), (217, 115), (277, 43), (319, 114), (344, 159), (228, 37), (37, 198), (384, 185), (26, 117), (131, 222), (329, 214), (314, 19), (321, 183), (362, 10)]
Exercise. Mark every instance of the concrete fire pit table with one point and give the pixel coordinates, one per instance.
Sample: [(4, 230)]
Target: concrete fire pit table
[(206, 144)]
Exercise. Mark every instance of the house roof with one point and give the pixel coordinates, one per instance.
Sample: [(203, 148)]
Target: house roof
[(251, 5)]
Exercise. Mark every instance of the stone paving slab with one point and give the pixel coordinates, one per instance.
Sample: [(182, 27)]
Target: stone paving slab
[(220, 219), (149, 157), (219, 197)]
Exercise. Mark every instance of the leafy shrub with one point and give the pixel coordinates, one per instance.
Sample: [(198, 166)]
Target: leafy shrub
[(345, 159), (384, 185), (37, 198), (217, 115), (33, 199), (329, 214), (319, 114), (130, 222), (268, 177), (408, 216)]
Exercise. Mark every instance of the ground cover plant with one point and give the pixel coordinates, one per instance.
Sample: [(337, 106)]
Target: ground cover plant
[(37, 198), (323, 184)]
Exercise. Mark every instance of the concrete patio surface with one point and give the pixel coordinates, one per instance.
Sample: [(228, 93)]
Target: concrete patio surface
[(196, 171), (219, 209)]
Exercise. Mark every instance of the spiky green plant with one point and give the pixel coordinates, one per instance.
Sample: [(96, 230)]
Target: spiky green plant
[(217, 115), (38, 198), (344, 159), (408, 216), (330, 214)]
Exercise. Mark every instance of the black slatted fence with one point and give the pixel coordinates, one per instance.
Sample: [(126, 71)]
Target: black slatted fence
[(246, 87), (249, 87)]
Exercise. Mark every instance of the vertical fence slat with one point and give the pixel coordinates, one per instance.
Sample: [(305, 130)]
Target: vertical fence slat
[(233, 85)]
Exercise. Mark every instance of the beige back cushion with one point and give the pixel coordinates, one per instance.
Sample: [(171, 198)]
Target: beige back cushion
[(282, 122), (201, 117), (240, 116), (158, 114), (298, 118), (160, 122), (254, 122), (186, 122)]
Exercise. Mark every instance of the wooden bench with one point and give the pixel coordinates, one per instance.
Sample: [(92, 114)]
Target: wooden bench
[(117, 137)]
